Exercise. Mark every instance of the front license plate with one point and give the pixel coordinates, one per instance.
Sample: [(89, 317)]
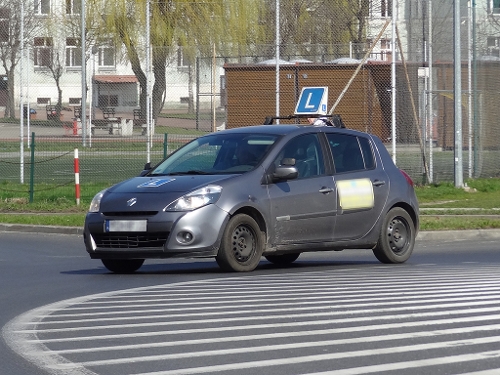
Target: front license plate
[(125, 226)]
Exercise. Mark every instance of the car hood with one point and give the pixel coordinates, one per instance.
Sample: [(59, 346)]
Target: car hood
[(153, 193)]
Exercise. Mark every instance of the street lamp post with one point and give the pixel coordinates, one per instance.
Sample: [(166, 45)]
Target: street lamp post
[(457, 87)]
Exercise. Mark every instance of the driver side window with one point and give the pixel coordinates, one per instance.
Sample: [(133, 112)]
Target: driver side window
[(306, 151)]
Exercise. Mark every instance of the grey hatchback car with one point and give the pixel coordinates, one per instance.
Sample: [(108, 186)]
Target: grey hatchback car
[(268, 190)]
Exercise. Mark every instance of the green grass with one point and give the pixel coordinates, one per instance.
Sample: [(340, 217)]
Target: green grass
[(443, 207), (483, 194), (431, 222)]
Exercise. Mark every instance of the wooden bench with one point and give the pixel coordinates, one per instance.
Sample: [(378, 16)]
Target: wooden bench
[(108, 112), (77, 111), (109, 122), (51, 112)]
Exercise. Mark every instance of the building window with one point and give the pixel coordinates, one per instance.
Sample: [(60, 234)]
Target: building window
[(107, 101), (494, 6), (182, 60), (380, 8), (4, 25), (493, 46), (42, 6), (42, 52), (386, 8), (106, 55), (73, 6), (73, 52), (385, 49)]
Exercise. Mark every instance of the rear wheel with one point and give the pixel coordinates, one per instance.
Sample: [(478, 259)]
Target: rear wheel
[(397, 237), (122, 265), (283, 259), (242, 245)]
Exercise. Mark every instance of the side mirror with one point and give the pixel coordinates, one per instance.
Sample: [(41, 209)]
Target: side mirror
[(286, 170), (147, 168)]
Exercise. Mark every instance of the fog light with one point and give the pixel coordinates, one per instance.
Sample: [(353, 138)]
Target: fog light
[(185, 237)]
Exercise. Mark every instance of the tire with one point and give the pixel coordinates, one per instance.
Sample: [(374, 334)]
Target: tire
[(242, 245), (283, 259), (122, 265), (397, 237)]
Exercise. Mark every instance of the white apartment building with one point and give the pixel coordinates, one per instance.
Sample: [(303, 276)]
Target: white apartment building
[(111, 82), (479, 25), (110, 79)]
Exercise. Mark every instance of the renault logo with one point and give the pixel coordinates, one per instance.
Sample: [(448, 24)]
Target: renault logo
[(131, 202)]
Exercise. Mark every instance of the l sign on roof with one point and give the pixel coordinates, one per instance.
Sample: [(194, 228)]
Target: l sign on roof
[(312, 101)]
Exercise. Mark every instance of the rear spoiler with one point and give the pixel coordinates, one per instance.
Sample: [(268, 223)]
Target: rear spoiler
[(329, 120)]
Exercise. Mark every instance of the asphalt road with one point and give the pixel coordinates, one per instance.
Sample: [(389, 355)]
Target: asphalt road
[(330, 313)]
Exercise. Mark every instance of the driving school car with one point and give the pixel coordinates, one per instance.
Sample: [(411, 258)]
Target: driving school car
[(272, 191)]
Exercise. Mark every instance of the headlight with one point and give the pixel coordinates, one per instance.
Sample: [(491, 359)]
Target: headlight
[(95, 205), (196, 199)]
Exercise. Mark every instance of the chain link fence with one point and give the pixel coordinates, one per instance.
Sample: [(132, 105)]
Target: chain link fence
[(203, 92)]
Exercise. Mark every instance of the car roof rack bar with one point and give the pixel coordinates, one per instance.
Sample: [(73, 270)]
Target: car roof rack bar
[(330, 120)]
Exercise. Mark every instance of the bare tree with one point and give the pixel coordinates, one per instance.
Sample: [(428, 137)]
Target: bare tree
[(313, 27), (11, 44), (60, 31)]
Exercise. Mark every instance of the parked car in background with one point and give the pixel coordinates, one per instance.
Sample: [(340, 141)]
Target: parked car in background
[(270, 190)]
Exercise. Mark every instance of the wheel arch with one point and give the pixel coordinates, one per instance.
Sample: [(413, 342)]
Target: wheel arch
[(411, 211), (254, 214)]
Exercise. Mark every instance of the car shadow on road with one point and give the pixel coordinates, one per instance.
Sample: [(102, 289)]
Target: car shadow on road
[(209, 267)]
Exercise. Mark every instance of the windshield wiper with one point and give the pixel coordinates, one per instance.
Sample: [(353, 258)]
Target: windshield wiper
[(191, 172)]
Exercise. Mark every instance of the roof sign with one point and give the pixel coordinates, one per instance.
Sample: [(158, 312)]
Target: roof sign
[(312, 101)]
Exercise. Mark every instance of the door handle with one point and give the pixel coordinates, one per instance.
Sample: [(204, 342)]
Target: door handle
[(326, 190), (378, 183)]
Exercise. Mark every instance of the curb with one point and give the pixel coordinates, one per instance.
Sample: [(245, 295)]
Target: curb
[(459, 235), (46, 229), (455, 235)]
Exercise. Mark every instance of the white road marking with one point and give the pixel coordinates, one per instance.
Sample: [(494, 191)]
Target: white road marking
[(417, 309)]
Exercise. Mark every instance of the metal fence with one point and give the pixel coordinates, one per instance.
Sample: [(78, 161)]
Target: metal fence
[(224, 89)]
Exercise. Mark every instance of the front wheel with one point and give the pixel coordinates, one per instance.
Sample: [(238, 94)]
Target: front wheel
[(397, 237), (122, 265), (242, 245)]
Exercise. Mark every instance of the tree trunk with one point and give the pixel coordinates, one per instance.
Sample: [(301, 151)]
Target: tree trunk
[(190, 88), (10, 109), (160, 85)]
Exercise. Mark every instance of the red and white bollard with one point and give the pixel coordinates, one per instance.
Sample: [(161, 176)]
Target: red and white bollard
[(77, 178), (77, 127)]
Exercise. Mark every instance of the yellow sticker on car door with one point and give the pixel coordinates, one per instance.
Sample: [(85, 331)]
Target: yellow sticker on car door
[(355, 194)]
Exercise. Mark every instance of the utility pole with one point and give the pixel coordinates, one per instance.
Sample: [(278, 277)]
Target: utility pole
[(457, 88)]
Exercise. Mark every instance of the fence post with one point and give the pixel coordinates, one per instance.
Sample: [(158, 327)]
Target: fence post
[(77, 178), (32, 167), (165, 145)]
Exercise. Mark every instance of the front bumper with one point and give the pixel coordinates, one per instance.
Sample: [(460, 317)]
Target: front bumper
[(168, 234)]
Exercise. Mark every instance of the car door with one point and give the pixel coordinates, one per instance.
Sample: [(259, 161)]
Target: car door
[(303, 209), (362, 187)]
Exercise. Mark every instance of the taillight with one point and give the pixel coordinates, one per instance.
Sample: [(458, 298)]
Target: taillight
[(407, 177)]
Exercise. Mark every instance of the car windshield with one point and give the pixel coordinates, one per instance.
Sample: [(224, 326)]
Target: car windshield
[(217, 154)]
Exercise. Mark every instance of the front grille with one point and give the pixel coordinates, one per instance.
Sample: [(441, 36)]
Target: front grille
[(130, 241), (130, 213)]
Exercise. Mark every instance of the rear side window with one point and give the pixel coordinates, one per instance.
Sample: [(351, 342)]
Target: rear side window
[(367, 151), (350, 153)]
